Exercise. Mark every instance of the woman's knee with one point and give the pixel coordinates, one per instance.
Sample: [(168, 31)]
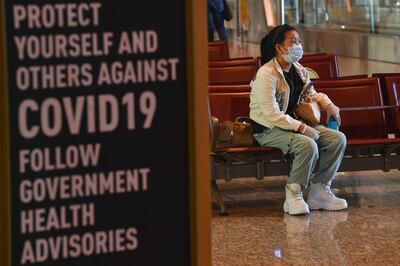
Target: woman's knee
[(339, 139), (308, 147)]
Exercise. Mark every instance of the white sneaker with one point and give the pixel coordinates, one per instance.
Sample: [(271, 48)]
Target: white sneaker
[(294, 202), (321, 197)]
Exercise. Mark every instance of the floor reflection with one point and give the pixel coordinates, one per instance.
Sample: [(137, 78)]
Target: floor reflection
[(313, 235), (256, 232)]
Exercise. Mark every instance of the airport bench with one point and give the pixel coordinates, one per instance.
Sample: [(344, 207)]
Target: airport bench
[(241, 74), (325, 65), (373, 144), (218, 50)]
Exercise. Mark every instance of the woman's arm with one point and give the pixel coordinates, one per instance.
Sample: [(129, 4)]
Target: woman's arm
[(323, 100), (320, 98)]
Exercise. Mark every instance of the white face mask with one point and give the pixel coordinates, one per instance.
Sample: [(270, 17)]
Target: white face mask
[(294, 55)]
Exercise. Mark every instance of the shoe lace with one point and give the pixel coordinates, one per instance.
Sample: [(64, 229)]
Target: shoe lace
[(297, 195), (329, 191)]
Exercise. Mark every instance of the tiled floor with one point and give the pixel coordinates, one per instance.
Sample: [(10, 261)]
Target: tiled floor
[(257, 232)]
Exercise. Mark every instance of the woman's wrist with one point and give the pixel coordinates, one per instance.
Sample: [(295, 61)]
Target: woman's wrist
[(302, 128), (328, 106)]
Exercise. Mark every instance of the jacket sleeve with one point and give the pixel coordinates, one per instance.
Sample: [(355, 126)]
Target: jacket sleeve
[(263, 91), (319, 97)]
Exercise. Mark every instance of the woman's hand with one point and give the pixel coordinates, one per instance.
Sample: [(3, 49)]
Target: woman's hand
[(333, 110), (312, 133)]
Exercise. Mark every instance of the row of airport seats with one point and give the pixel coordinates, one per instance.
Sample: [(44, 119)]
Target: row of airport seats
[(223, 69), (370, 111)]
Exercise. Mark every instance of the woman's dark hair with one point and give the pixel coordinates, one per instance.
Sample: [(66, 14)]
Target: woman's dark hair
[(276, 35)]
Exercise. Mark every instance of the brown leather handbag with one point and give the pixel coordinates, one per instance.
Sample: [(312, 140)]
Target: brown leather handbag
[(309, 111), (234, 134)]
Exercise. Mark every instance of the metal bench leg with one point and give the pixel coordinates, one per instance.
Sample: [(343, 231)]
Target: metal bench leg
[(260, 169), (228, 173), (214, 188), (387, 158), (217, 195)]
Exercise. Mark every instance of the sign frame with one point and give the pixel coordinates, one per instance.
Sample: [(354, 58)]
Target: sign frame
[(199, 161)]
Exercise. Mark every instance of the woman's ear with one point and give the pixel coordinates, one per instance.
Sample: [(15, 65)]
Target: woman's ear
[(278, 49)]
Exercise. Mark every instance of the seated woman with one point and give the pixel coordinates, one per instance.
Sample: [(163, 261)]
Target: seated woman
[(275, 91)]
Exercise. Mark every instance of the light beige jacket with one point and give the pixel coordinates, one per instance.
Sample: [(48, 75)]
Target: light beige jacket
[(269, 96)]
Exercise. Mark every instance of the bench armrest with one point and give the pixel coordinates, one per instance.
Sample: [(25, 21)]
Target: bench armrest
[(214, 131), (243, 119), (397, 117)]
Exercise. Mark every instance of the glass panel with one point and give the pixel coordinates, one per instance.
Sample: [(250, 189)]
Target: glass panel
[(254, 18), (337, 14), (387, 18), (355, 15), (317, 12), (291, 12)]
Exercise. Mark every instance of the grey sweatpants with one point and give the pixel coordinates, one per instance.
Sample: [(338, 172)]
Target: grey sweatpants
[(329, 148)]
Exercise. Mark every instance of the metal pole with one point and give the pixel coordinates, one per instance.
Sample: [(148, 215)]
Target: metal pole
[(282, 12), (296, 10), (371, 16), (314, 12), (238, 20)]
